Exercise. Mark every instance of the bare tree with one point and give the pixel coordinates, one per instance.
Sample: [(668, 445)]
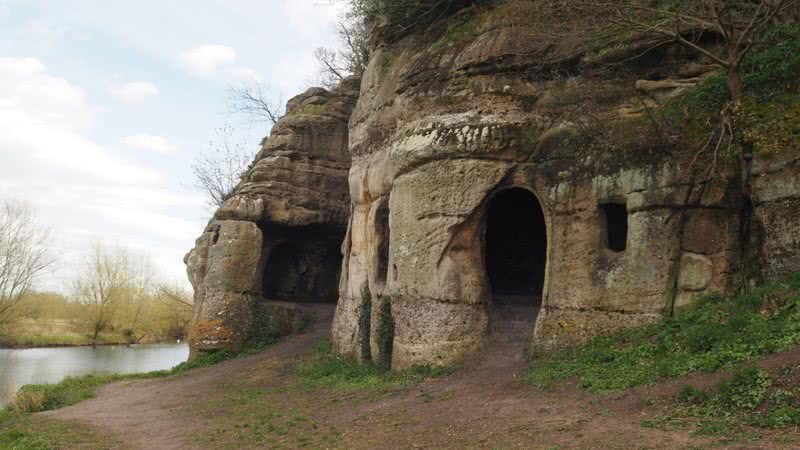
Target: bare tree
[(351, 58), (737, 22), (101, 286), (218, 170), (136, 291), (180, 307), (252, 100), (24, 255), (176, 295)]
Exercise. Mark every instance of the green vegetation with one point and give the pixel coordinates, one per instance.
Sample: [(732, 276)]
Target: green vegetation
[(458, 32), (770, 113), (268, 323), (280, 414), (739, 406), (33, 398), (385, 334), (265, 417), (20, 430), (401, 16), (326, 369), (714, 334), (365, 323), (25, 432)]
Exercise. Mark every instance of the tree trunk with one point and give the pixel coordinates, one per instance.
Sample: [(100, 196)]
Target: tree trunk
[(735, 84), (736, 89)]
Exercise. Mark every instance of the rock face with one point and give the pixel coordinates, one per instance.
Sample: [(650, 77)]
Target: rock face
[(626, 228), (487, 167), (278, 236)]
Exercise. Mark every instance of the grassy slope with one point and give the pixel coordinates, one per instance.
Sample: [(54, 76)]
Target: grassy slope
[(280, 413), (326, 369), (25, 432), (716, 334)]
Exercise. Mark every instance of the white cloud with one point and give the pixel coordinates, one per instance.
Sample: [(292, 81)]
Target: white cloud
[(82, 190), (25, 89), (134, 92), (205, 59), (146, 142)]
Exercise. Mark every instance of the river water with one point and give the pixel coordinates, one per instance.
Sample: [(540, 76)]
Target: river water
[(51, 365)]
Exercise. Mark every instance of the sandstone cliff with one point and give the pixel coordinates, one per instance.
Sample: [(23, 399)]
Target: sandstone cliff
[(290, 210), (492, 159)]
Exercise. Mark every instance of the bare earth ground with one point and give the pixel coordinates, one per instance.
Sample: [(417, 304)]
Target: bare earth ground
[(255, 402)]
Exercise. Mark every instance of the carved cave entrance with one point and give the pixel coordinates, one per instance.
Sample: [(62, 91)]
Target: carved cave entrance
[(303, 264), (516, 248)]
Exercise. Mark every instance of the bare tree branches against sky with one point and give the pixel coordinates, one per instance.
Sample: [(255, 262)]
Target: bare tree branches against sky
[(105, 105), (25, 255)]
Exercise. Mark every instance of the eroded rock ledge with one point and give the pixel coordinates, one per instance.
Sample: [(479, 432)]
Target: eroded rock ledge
[(474, 172), (279, 234)]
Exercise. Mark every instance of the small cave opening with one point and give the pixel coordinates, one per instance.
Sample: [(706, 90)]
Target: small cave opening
[(516, 248), (614, 222), (303, 264)]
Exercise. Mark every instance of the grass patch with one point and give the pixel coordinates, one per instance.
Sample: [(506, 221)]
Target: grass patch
[(716, 333), (281, 415), (26, 432), (326, 369), (33, 398), (737, 408), (273, 417)]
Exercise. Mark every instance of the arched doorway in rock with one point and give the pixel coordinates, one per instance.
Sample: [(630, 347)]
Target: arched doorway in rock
[(515, 248), (302, 264)]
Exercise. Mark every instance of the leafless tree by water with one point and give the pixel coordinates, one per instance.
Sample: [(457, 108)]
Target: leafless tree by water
[(24, 255), (101, 285)]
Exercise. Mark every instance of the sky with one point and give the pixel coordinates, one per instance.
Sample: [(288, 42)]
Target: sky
[(104, 104)]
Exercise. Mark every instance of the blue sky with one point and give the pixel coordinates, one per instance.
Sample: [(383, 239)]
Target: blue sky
[(105, 103)]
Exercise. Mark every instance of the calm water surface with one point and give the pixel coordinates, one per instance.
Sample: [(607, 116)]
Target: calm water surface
[(51, 365)]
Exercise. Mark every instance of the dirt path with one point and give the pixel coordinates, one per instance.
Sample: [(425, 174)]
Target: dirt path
[(483, 405), (156, 414)]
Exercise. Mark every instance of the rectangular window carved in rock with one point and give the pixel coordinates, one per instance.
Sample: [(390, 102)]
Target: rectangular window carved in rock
[(614, 219)]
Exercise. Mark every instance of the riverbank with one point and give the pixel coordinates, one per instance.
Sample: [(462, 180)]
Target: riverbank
[(32, 333), (20, 429), (297, 394)]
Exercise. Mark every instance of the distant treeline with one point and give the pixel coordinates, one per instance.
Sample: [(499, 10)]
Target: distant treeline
[(116, 296), (48, 318)]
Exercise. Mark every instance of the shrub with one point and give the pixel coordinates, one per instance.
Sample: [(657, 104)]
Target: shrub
[(716, 333), (401, 16), (44, 397), (744, 390), (692, 395), (770, 114)]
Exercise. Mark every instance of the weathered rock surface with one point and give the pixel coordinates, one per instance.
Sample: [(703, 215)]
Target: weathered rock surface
[(445, 123), (280, 231), (447, 120)]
